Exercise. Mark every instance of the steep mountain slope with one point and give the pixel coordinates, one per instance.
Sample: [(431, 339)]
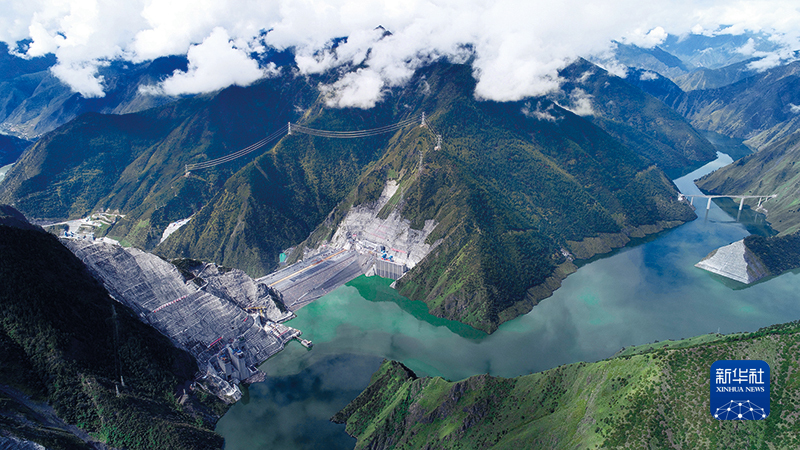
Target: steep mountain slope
[(10, 148), (748, 107), (511, 193), (63, 340), (135, 163), (33, 101), (715, 51), (705, 78), (639, 120), (689, 58), (276, 200), (528, 181), (761, 108), (773, 170), (657, 399), (652, 59)]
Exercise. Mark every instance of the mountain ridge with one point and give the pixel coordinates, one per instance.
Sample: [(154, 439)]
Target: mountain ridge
[(534, 186), (655, 395), (90, 358)]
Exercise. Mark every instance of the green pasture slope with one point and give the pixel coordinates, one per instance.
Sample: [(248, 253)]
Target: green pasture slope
[(650, 398)]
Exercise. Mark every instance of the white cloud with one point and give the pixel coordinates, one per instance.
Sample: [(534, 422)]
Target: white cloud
[(648, 39), (580, 102), (82, 77), (516, 47), (748, 48), (214, 64), (359, 89), (539, 113), (648, 76), (794, 109)]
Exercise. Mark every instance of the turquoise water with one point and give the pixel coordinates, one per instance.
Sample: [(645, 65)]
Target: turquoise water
[(636, 295)]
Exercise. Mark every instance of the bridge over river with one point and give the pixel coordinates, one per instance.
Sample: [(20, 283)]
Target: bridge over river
[(761, 199)]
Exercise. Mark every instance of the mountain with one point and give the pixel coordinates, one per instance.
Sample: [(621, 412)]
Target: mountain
[(652, 59), (705, 78), (772, 170), (761, 108), (515, 192), (528, 181), (718, 50), (637, 119), (67, 348), (694, 60), (10, 148), (747, 108), (33, 101), (656, 396)]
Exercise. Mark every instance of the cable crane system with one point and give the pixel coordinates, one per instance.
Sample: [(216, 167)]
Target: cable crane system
[(291, 128)]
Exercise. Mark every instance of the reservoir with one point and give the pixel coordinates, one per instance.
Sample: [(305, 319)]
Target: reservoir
[(639, 294)]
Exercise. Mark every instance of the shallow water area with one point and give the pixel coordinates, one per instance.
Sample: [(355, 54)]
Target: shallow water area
[(635, 295)]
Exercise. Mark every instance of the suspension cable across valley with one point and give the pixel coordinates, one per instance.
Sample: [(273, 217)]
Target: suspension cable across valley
[(238, 154), (354, 134), (289, 128)]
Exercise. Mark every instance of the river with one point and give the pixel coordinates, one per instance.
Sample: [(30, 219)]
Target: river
[(645, 292)]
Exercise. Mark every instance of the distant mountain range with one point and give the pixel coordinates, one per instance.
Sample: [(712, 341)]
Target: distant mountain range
[(758, 107), (33, 101), (680, 58)]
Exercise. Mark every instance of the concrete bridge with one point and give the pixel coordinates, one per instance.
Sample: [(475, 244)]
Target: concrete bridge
[(761, 199)]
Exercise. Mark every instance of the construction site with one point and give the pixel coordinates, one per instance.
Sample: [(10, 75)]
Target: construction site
[(225, 319), (364, 244), (230, 322), (307, 280)]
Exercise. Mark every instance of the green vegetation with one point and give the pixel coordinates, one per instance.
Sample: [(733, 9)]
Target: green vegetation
[(135, 162), (753, 108), (10, 149), (650, 398), (63, 340), (511, 193), (772, 170), (778, 253), (637, 119)]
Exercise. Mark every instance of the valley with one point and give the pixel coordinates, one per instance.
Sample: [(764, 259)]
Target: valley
[(468, 253), (662, 299)]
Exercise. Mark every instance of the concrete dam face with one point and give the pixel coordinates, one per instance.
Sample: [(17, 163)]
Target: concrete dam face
[(210, 316)]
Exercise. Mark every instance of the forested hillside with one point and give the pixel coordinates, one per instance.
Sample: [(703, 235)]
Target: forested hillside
[(637, 119), (772, 171), (64, 341)]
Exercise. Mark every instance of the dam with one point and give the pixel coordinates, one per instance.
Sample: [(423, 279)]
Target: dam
[(305, 281)]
